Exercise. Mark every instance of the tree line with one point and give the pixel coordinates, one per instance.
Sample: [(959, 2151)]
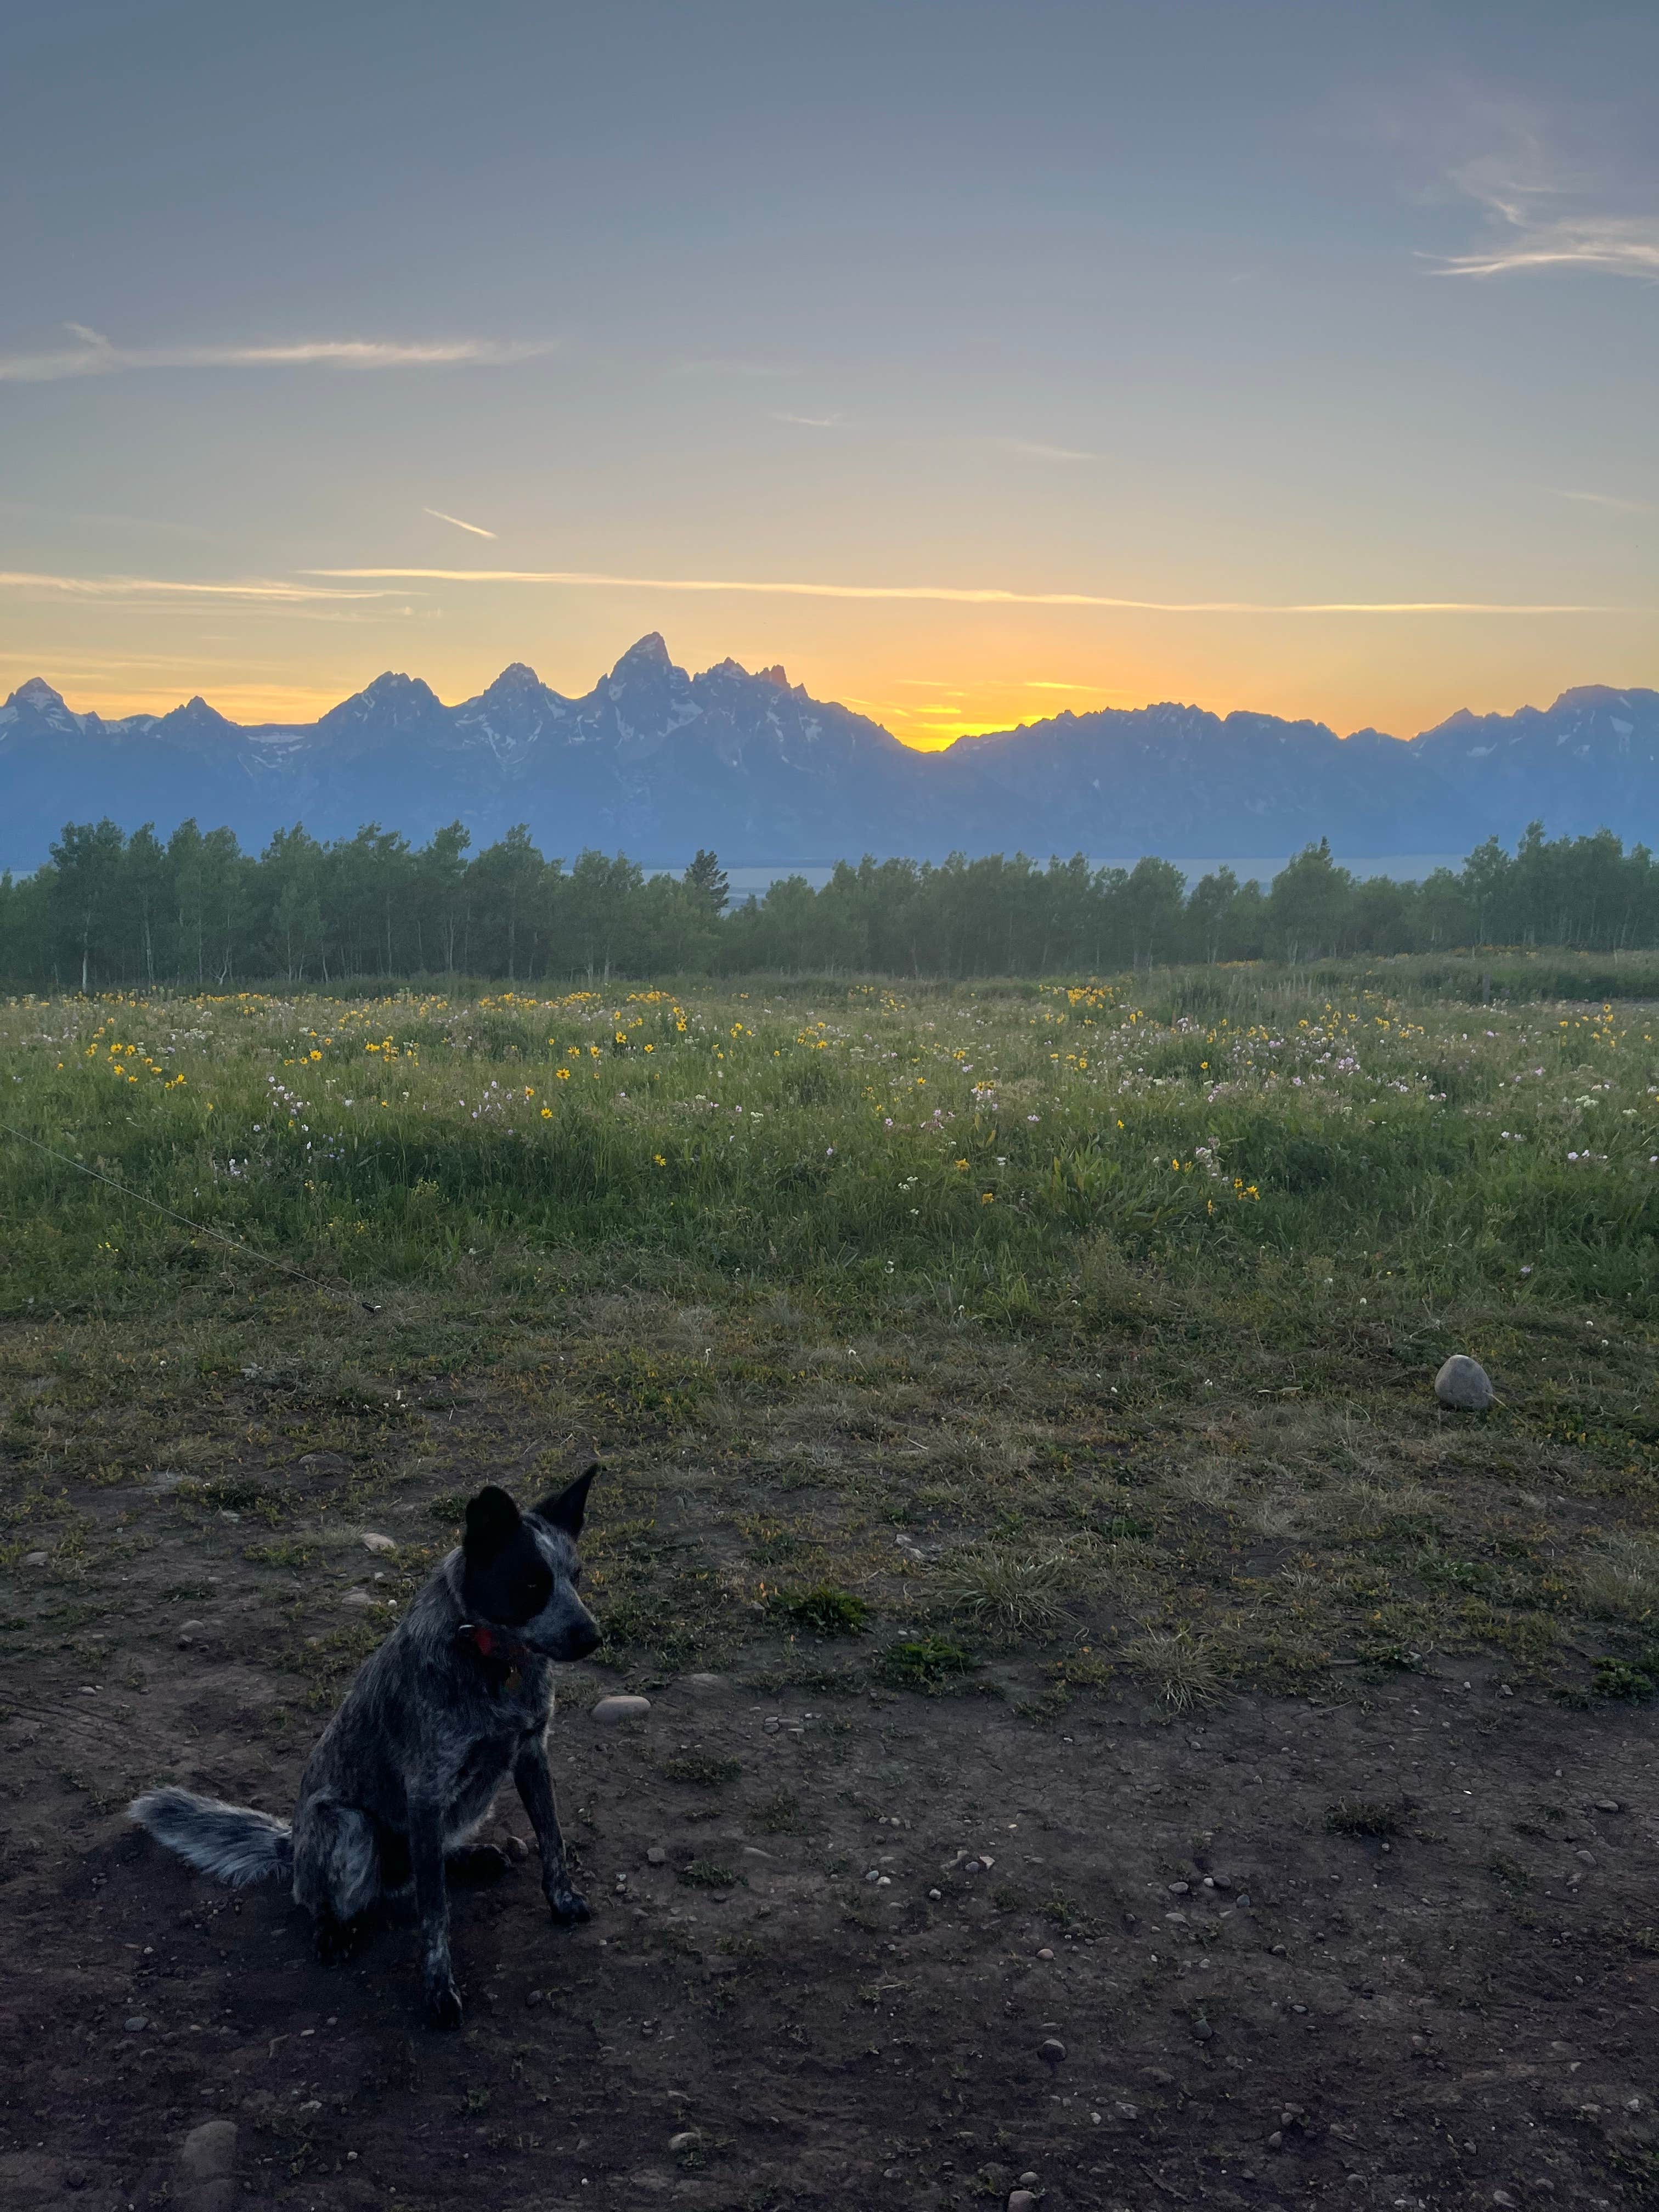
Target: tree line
[(111, 911)]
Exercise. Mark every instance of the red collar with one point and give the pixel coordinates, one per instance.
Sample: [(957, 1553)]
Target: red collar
[(504, 1655)]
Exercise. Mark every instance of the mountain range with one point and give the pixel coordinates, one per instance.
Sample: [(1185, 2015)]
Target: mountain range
[(656, 763)]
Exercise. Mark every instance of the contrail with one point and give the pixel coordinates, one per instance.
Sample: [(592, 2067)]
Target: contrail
[(438, 515), (984, 596)]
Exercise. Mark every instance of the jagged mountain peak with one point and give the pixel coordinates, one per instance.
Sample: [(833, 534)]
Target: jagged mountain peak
[(35, 691), (517, 675), (648, 661)]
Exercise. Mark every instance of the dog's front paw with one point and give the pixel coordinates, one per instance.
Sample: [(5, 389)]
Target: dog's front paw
[(443, 2000), (568, 1906)]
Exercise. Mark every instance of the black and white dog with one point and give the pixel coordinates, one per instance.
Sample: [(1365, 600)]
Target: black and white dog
[(460, 1694)]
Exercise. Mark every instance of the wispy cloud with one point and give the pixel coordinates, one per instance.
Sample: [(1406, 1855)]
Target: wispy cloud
[(1049, 683), (118, 587), (1525, 200), (1609, 499), (476, 528), (730, 365), (978, 596), (93, 354), (1033, 449), (809, 422)]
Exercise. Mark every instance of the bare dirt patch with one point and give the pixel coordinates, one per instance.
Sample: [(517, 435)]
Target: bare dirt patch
[(848, 1948)]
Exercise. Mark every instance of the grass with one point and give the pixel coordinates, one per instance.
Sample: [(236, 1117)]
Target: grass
[(1100, 1316)]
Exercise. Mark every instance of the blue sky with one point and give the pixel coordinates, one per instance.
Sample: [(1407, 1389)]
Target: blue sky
[(1219, 310)]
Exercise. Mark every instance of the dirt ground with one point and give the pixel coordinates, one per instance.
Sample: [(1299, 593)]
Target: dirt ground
[(847, 1950)]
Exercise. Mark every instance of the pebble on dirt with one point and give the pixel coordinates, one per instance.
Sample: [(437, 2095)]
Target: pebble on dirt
[(207, 2161), (687, 2139), (1021, 2200), (1051, 2051), (373, 1541), (609, 1710), (1464, 1385)]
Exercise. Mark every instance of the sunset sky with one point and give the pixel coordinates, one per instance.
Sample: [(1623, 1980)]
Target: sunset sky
[(1264, 321)]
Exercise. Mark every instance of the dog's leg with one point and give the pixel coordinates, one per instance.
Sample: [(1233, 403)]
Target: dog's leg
[(336, 1875), (426, 1851), (535, 1786)]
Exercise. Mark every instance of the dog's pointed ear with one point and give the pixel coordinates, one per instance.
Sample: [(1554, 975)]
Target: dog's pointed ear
[(492, 1521), (565, 1508)]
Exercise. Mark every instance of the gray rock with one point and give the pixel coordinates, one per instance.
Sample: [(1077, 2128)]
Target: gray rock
[(1464, 1385), (137, 2024), (1029, 2180), (359, 1597), (656, 1855), (373, 1541), (209, 2153), (35, 1558), (207, 2162), (609, 1710), (687, 2139), (1052, 2051), (1608, 1805), (1585, 1858), (1021, 2200)]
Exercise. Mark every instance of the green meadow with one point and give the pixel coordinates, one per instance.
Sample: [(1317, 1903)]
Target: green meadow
[(1003, 1337)]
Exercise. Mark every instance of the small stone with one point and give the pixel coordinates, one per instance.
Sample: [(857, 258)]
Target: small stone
[(656, 1855), (75, 2177), (137, 2024), (209, 2153), (1180, 1888), (1022, 2200), (1278, 1951), (609, 1710), (1608, 1805), (35, 1558), (192, 1627), (1501, 2198), (373, 1541), (687, 2139), (1464, 1385), (1045, 1953), (1029, 2180), (1052, 2051), (1202, 2031), (934, 1895), (531, 1999), (1221, 1880), (1585, 1858), (357, 1597), (1276, 2140), (1127, 2112)]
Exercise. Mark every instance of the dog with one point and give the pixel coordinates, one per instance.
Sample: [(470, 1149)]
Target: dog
[(459, 1693)]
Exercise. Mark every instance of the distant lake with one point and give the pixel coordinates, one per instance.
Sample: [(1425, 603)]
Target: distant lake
[(1404, 867)]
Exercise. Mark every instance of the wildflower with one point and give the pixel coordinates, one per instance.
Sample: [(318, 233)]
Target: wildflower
[(828, 1152), (987, 1198), (962, 1167), (660, 1160), (562, 1073), (547, 1113)]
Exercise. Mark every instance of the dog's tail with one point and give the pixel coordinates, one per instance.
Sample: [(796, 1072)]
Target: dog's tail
[(232, 1842)]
